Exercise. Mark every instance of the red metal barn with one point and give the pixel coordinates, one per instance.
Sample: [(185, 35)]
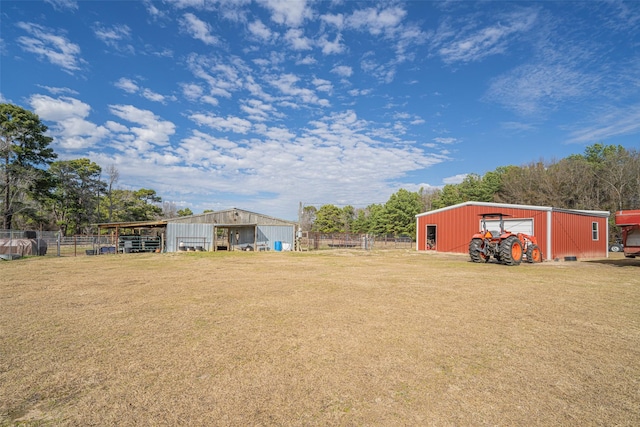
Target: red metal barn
[(560, 232)]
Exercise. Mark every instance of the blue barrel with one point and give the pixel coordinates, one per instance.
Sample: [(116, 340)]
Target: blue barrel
[(277, 245)]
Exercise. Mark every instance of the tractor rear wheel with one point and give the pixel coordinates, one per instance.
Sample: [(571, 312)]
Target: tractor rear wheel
[(475, 251), (511, 251), (534, 254)]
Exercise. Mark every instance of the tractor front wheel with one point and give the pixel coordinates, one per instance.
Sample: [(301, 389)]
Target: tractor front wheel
[(534, 254), (511, 251), (475, 251)]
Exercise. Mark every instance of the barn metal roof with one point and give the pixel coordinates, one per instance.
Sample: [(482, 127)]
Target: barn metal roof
[(224, 218), (515, 206), (134, 224)]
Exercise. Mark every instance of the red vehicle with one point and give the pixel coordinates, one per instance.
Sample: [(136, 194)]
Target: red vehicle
[(629, 222), (506, 247)]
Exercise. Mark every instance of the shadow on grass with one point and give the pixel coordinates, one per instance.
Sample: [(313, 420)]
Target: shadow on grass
[(618, 262)]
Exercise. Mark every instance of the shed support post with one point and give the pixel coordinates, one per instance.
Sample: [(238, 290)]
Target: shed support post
[(549, 233)]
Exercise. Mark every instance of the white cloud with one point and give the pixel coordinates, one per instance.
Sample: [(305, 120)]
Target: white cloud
[(446, 141), (127, 85), (229, 124), (153, 10), (222, 77), (116, 127), (152, 129), (335, 20), (55, 48), (467, 44), (183, 4), (342, 70), (261, 31), (359, 92), (63, 4), (307, 60), (517, 126), (456, 179), (410, 186), (383, 72), (205, 151), (257, 110), (113, 36), (153, 96), (71, 131), (332, 47), (287, 12), (376, 21), (59, 90), (287, 84), (131, 86), (192, 91), (58, 109), (340, 150), (198, 29), (296, 39), (611, 123), (161, 52), (530, 88), (412, 119), (323, 85), (207, 99)]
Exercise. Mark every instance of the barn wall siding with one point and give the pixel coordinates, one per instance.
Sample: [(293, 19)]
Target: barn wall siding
[(572, 236), (269, 234), (245, 227), (559, 233), (456, 226), (190, 234)]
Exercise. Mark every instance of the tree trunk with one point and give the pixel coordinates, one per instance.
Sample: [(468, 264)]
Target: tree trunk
[(6, 214)]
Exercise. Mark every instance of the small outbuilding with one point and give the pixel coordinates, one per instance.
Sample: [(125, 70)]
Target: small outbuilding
[(560, 232), (232, 229)]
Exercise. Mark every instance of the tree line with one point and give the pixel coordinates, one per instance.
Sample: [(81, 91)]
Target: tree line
[(40, 192), (604, 177)]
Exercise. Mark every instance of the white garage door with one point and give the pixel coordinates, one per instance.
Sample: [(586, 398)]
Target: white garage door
[(513, 225)]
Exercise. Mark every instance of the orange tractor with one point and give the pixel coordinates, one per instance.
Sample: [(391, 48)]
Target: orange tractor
[(506, 247)]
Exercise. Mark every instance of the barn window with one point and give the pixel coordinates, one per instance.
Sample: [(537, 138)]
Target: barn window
[(594, 230)]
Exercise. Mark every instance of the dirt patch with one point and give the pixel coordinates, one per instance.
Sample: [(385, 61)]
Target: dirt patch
[(325, 338)]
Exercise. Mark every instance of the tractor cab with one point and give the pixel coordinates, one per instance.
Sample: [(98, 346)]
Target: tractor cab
[(494, 233), (506, 247)]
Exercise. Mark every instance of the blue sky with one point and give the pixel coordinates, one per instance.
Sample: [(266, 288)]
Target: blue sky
[(262, 105)]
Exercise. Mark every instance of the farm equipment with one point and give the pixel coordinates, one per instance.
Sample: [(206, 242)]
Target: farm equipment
[(629, 222), (130, 243), (506, 247)]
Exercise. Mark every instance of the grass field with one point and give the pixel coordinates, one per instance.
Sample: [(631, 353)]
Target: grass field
[(342, 338)]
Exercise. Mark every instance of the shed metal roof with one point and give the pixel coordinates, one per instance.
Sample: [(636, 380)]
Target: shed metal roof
[(515, 206)]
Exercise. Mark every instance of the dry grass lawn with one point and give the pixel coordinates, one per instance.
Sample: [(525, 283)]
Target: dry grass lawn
[(378, 338)]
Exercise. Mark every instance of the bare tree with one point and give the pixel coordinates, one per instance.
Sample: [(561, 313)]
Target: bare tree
[(169, 209), (113, 175), (427, 196)]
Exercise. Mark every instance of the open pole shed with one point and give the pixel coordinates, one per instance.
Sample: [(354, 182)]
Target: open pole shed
[(560, 232), (231, 229)]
